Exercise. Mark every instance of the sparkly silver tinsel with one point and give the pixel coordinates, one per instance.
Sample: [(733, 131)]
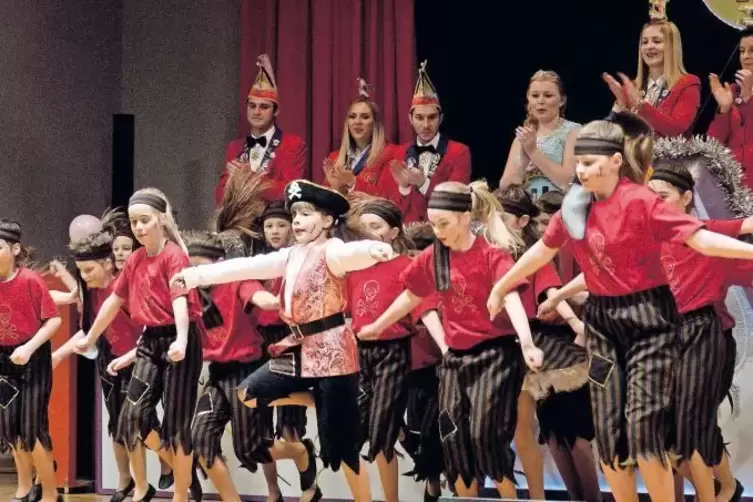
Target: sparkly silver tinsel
[(720, 163)]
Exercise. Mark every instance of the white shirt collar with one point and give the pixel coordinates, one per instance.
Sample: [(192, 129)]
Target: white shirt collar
[(434, 142), (270, 132), (658, 82)]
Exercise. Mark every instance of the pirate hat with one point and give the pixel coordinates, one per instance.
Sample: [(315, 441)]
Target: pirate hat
[(265, 86), (330, 201)]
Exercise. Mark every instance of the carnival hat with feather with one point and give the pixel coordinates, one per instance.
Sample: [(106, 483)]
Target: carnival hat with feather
[(265, 85), (425, 93)]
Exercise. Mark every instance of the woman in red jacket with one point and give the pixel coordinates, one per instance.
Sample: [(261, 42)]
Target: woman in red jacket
[(363, 153), (731, 125), (663, 93)]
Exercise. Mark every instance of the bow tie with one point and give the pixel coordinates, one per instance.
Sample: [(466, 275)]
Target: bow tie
[(423, 149), (252, 142)]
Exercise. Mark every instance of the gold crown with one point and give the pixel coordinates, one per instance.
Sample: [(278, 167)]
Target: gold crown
[(657, 10)]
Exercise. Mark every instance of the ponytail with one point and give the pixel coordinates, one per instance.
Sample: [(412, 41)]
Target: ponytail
[(487, 209)]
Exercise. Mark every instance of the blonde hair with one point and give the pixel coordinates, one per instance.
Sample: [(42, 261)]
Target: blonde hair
[(673, 65), (545, 76), (605, 130), (486, 209), (377, 136), (170, 227)]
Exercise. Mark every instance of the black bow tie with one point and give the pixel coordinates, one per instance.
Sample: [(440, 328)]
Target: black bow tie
[(423, 149), (252, 142)]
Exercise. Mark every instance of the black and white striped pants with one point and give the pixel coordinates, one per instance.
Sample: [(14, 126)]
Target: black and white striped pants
[(114, 388), (24, 397), (155, 378), (422, 441), (478, 396)]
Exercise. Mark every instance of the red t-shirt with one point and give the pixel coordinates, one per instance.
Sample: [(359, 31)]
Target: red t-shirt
[(123, 332), (372, 290), (25, 304), (473, 274), (237, 339), (271, 317), (546, 278), (621, 251), (697, 280), (145, 284)]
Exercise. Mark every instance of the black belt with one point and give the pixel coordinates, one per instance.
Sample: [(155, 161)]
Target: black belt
[(314, 327)]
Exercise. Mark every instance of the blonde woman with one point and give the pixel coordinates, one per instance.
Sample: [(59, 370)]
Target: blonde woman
[(663, 93), (541, 156), (359, 162)]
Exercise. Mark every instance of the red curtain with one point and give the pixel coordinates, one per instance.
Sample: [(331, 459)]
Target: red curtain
[(318, 48)]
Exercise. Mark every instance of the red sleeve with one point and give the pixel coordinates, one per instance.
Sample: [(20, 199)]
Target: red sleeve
[(291, 169), (412, 206), (428, 303), (418, 277), (500, 262), (175, 261), (545, 279), (667, 223), (723, 124), (461, 168), (682, 114), (555, 236), (247, 290), (233, 150), (46, 308), (333, 157), (123, 280), (730, 228)]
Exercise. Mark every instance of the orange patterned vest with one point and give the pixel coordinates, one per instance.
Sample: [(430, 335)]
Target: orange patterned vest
[(317, 294)]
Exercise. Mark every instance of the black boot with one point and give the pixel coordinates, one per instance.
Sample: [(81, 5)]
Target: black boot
[(166, 480), (308, 477)]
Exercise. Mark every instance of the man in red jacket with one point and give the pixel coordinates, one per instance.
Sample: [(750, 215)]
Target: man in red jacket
[(277, 156), (432, 159)]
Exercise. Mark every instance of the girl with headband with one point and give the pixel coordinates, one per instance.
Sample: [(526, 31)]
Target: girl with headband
[(169, 359), (482, 372), (28, 319), (630, 315)]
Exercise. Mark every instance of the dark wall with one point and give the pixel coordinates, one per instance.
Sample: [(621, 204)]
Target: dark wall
[(481, 57), (60, 84)]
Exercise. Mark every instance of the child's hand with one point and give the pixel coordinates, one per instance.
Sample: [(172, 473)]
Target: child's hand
[(381, 252), (119, 363), (177, 351), (533, 356), (21, 355), (57, 269), (57, 358), (82, 346)]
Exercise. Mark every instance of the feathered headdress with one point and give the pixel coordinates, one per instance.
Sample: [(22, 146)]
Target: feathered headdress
[(242, 203)]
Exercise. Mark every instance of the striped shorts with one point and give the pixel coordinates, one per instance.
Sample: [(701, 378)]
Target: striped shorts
[(114, 388)]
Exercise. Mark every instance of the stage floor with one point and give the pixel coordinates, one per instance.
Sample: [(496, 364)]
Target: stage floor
[(8, 489)]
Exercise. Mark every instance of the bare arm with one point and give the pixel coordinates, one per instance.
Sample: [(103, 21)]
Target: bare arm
[(265, 300), (532, 260), (48, 328), (260, 267), (347, 257), (180, 311), (64, 297), (572, 288), (514, 173), (518, 317), (713, 244), (64, 351), (400, 308), (436, 330), (559, 174), (105, 316)]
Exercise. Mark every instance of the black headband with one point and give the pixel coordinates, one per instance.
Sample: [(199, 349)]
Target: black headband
[(206, 251), (276, 212), (450, 201), (675, 179), (151, 200), (521, 209), (10, 235), (595, 146), (100, 252), (393, 218)]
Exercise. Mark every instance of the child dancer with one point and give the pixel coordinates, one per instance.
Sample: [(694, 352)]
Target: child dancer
[(421, 435), (168, 362), (276, 224), (559, 386), (482, 372), (28, 319), (95, 261), (386, 360), (320, 353), (630, 314), (234, 349)]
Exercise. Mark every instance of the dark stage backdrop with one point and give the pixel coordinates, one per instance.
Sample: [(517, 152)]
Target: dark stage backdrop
[(481, 56)]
